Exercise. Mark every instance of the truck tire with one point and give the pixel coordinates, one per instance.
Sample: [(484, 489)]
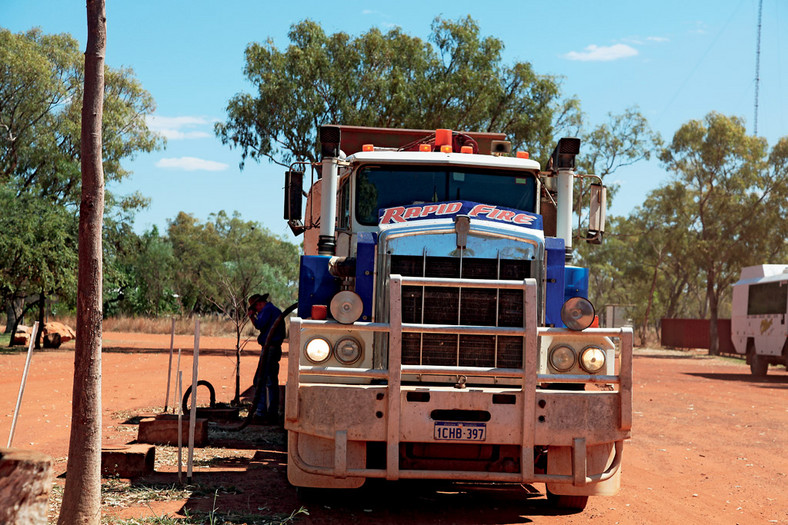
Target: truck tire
[(564, 502), (759, 365)]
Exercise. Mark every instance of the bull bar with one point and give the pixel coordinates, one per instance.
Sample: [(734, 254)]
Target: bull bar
[(393, 377)]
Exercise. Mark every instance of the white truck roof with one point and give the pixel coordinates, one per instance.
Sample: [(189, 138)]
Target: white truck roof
[(763, 273), (459, 159)]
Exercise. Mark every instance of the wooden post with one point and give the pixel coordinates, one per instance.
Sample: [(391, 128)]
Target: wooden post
[(169, 365), (193, 409), (25, 482), (176, 402), (180, 421), (24, 380)]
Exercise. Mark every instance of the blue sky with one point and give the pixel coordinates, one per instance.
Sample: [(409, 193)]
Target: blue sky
[(675, 60)]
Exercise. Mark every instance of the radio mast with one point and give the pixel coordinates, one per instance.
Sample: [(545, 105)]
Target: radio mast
[(757, 67)]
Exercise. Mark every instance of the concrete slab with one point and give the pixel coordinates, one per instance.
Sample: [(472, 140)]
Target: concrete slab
[(127, 461), (163, 430)]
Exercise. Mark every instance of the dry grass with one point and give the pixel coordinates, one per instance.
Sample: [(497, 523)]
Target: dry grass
[(210, 326)]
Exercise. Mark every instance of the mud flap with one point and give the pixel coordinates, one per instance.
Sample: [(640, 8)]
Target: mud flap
[(597, 459), (318, 454)]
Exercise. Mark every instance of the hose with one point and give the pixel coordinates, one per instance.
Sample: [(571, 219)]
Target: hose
[(259, 373), (211, 391)]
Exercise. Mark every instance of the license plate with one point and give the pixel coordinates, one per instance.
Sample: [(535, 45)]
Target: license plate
[(459, 431)]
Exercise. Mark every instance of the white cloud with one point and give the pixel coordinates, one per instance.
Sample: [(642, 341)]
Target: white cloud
[(657, 39), (174, 134), (594, 53), (174, 122), (179, 128), (191, 164), (700, 28), (375, 12)]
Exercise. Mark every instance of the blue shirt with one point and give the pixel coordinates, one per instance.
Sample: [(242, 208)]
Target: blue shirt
[(264, 320)]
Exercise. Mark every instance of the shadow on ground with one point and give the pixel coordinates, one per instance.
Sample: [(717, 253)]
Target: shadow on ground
[(251, 498), (774, 380), (665, 356), (255, 489)]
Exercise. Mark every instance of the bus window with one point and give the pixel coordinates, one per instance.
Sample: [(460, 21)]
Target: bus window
[(767, 298)]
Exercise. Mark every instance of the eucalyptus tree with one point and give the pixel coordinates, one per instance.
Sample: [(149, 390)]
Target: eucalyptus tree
[(220, 263), (41, 92), (39, 247), (225, 256), (82, 494), (623, 140), (41, 95), (656, 234), (457, 80), (736, 201)]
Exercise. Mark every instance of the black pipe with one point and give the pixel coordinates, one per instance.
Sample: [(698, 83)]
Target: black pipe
[(211, 392)]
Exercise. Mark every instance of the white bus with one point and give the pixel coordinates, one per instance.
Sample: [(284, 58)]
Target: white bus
[(759, 324)]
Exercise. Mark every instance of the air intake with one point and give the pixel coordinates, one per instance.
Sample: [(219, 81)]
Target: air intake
[(330, 137), (563, 156)]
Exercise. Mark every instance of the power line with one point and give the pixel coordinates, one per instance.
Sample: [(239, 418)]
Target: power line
[(701, 60)]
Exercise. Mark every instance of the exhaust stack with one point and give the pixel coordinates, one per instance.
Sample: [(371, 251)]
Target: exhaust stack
[(562, 161), (330, 137)]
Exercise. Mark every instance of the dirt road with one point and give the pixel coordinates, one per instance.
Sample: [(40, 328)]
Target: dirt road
[(709, 444)]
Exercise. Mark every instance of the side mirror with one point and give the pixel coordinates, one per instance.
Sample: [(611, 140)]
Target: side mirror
[(597, 213), (294, 183)]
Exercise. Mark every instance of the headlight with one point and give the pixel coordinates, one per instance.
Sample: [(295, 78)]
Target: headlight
[(577, 313), (562, 358), (347, 351), (317, 350), (592, 359)]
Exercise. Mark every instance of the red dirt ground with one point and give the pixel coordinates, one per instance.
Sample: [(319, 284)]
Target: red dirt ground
[(709, 443)]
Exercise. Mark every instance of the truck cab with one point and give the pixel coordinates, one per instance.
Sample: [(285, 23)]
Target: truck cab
[(440, 332)]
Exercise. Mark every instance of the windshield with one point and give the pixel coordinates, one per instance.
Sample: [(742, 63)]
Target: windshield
[(387, 186)]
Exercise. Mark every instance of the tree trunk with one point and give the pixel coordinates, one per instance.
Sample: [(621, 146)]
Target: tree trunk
[(644, 332), (676, 295), (713, 300), (82, 496), (13, 309), (25, 482), (42, 305), (237, 398), (19, 321)]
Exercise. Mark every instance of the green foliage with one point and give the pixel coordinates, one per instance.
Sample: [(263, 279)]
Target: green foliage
[(38, 246), (723, 210), (139, 275), (622, 141), (210, 267), (390, 80), (737, 195), (40, 114), (41, 87), (219, 263)]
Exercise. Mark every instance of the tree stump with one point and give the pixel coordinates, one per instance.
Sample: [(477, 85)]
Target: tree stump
[(25, 482)]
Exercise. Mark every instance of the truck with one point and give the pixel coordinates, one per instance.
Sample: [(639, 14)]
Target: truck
[(758, 316), (441, 332)]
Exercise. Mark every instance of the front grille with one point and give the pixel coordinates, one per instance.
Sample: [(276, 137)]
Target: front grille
[(484, 307)]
